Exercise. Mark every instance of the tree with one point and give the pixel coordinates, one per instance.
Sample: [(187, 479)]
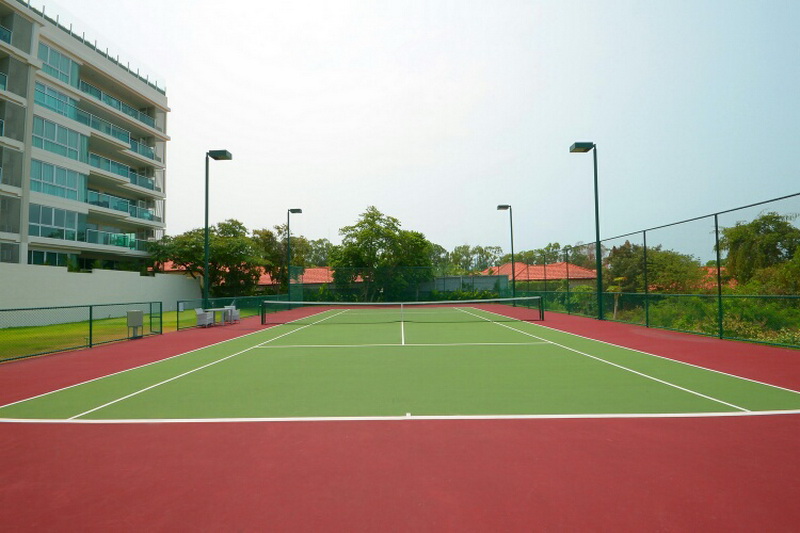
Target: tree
[(461, 259), (766, 241), (234, 265), (388, 260), (551, 253), (440, 260), (319, 252), (466, 259), (485, 256), (667, 270), (271, 246), (626, 267)]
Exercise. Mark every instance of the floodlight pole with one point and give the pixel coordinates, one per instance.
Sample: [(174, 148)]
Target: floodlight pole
[(217, 155), (506, 207), (582, 147), (289, 247)]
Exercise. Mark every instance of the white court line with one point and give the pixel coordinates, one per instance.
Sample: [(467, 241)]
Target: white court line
[(665, 358), (395, 345), (136, 393), (127, 370), (589, 416), (642, 374)]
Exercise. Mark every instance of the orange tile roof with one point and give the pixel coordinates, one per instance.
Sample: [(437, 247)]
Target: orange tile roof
[(310, 276), (525, 272)]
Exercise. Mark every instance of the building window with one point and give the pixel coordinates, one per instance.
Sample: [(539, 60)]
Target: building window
[(59, 65), (58, 181), (57, 101), (60, 140), (9, 252), (43, 257), (9, 214), (52, 222)]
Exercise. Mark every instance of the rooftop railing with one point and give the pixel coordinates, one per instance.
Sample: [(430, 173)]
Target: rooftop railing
[(92, 46)]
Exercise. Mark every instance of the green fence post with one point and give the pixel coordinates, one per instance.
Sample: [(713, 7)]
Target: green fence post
[(720, 311), (566, 261), (646, 288), (91, 322)]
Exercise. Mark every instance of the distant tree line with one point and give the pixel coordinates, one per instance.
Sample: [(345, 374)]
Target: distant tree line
[(760, 257)]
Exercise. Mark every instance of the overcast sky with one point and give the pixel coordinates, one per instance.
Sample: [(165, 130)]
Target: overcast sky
[(437, 111)]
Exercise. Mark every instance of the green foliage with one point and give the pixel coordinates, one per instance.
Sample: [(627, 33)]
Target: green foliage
[(234, 263), (767, 241), (319, 252), (466, 259), (667, 271), (376, 250), (462, 295)]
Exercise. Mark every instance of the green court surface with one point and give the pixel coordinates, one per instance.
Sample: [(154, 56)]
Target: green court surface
[(448, 362)]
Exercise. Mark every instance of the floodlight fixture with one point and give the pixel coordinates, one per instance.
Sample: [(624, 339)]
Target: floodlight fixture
[(583, 147), (216, 155)]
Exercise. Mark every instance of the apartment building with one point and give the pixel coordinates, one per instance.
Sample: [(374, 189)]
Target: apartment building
[(82, 148)]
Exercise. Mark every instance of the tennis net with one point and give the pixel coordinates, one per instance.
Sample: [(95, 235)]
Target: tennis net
[(529, 308)]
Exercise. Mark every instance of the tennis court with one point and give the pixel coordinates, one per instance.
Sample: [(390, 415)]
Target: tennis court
[(488, 359)]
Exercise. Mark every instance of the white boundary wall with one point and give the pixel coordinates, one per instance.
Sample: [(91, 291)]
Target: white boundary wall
[(46, 286)]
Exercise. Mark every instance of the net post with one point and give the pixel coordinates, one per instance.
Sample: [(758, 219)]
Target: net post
[(91, 324)]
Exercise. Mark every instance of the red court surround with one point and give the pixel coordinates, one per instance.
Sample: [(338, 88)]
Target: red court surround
[(681, 474)]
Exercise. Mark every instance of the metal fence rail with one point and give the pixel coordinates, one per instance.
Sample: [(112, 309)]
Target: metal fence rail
[(26, 332)]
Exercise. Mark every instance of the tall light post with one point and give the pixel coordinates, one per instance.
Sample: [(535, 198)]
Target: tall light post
[(289, 247), (216, 155), (583, 147), (506, 207)]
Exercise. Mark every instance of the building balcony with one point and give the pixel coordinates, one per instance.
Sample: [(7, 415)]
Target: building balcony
[(69, 110), (121, 240), (122, 205), (120, 169), (119, 105), (5, 34), (78, 239)]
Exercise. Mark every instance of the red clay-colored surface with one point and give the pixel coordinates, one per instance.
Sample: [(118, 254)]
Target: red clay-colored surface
[(770, 364), (705, 474)]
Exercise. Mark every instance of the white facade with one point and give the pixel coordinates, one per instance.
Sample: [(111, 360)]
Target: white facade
[(44, 286), (82, 149)]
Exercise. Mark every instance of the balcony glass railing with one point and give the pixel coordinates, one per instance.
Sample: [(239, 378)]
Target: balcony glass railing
[(106, 200), (5, 34), (123, 240), (143, 149), (121, 204), (121, 169), (117, 104), (69, 110), (144, 213), (3, 81)]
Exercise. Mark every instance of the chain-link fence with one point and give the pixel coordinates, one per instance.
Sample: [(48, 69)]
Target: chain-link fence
[(34, 331), (733, 274), (391, 284)]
